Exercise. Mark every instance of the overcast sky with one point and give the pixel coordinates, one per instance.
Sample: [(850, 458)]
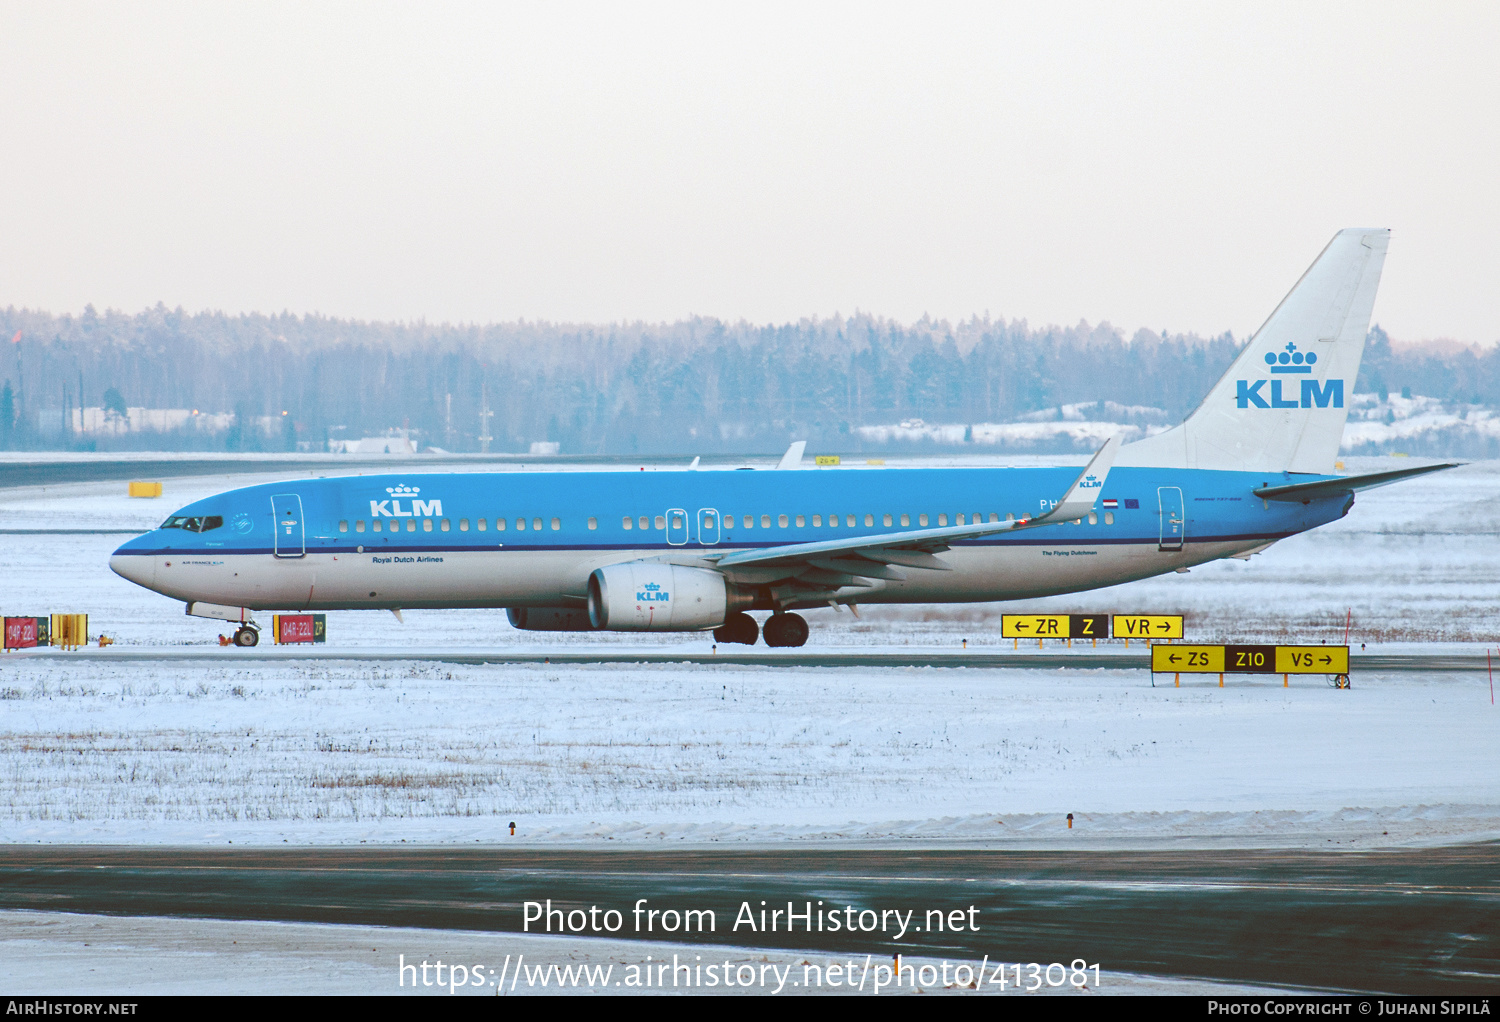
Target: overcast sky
[(1164, 166)]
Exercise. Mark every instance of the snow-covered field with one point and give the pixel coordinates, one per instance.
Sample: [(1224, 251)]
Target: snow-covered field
[(350, 751)]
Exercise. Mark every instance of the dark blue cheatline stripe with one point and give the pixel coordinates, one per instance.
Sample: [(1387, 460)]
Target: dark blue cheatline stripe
[(686, 548)]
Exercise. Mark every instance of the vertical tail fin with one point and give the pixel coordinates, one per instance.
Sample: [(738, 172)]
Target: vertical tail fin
[(1282, 404)]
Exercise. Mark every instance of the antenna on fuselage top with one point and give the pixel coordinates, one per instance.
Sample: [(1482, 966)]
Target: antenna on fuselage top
[(694, 464)]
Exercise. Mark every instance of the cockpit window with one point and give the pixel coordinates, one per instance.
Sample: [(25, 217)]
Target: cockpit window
[(197, 523)]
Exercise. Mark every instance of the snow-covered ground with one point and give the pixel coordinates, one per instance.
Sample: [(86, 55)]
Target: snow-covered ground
[(351, 751), (346, 752)]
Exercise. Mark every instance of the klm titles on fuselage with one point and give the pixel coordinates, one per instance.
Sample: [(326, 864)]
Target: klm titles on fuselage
[(1247, 393), (419, 508)]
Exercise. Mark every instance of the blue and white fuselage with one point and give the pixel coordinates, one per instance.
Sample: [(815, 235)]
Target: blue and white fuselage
[(534, 539)]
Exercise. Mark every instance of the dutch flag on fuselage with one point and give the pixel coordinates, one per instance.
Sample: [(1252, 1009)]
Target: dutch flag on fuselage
[(1110, 503)]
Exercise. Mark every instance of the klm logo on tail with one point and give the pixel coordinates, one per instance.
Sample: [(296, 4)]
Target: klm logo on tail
[(1249, 394)]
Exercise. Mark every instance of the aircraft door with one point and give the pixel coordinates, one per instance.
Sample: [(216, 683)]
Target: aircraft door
[(677, 526), (708, 526), (1173, 517), (291, 532)]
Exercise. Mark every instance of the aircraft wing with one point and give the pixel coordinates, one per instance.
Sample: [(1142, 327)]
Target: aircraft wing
[(833, 563), (1303, 492)]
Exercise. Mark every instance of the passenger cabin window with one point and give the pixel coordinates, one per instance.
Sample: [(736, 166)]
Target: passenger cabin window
[(376, 526), (869, 521), (887, 520), (627, 522), (817, 521), (781, 521), (1009, 517), (343, 526), (661, 521), (359, 525), (922, 520), (427, 525), (765, 521), (749, 521), (645, 522), (942, 519), (801, 521), (556, 524), (906, 519), (520, 525), (444, 525), (536, 524), (850, 521), (962, 519), (593, 524), (1109, 518), (411, 525), (1093, 518), (463, 525)]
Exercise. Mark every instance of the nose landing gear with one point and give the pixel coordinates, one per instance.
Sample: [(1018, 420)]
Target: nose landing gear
[(785, 629), (247, 635)]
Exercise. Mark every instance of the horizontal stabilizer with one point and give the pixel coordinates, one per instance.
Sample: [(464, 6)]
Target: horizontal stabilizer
[(1316, 488)]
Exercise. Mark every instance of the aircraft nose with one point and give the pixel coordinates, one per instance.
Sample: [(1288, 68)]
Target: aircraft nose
[(138, 567)]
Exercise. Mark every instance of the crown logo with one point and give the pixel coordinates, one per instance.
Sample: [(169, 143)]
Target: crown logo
[(1291, 360), (652, 587), (402, 490), (1291, 356)]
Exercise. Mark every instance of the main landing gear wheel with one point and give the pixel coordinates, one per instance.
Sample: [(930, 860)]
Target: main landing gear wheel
[(738, 627), (785, 630), (246, 636)]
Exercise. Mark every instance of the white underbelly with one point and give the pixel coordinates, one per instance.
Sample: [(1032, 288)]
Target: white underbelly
[(499, 578)]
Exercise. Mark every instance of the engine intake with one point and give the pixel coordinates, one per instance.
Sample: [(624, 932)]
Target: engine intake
[(645, 597)]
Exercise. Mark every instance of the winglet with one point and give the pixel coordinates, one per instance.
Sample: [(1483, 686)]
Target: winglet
[(793, 456), (1084, 493)]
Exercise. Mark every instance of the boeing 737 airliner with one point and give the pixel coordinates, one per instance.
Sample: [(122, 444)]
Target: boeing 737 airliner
[(695, 550)]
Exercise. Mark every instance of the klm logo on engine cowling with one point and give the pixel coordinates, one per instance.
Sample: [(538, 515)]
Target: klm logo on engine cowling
[(1269, 393), (392, 508), (652, 593)]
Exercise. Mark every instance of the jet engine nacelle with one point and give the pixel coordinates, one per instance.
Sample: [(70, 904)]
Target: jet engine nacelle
[(550, 619), (645, 597)]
